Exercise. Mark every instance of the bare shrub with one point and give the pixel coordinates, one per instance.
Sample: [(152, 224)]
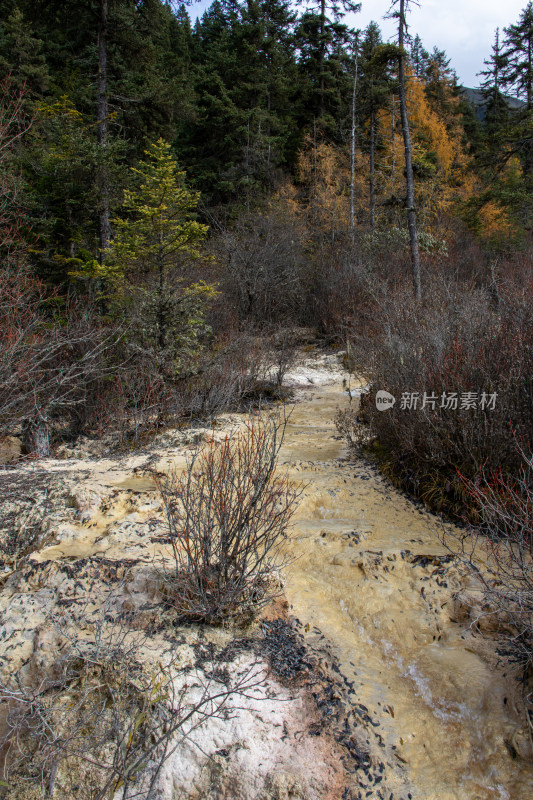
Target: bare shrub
[(457, 341), (348, 283), (498, 551), (264, 271), (505, 511), (48, 359), (242, 370), (131, 403), (102, 721), (284, 348), (134, 401), (231, 371), (228, 517), (356, 277)]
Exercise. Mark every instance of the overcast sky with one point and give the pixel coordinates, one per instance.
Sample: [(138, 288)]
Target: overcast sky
[(464, 28)]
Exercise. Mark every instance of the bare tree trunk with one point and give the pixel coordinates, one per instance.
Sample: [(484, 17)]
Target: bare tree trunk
[(36, 436), (161, 326), (372, 170), (411, 208), (315, 190), (393, 142), (528, 161), (322, 55), (41, 439), (352, 146), (101, 117)]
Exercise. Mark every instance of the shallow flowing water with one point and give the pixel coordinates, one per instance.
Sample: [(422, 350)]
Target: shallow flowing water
[(445, 709), (370, 578)]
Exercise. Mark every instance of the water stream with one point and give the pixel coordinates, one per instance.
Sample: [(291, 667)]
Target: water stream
[(369, 576), (444, 707)]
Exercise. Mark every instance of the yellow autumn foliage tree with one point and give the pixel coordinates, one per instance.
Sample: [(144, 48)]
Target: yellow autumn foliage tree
[(323, 177), (442, 176), (440, 161)]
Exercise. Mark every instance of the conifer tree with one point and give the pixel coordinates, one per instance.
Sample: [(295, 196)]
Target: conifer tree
[(21, 55), (441, 85), (519, 56), (323, 38), (419, 57), (245, 128), (496, 116), (375, 92), (122, 66), (518, 77), (400, 15), (144, 263)]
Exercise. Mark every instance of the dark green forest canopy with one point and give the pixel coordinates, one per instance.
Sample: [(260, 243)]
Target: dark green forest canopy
[(236, 94)]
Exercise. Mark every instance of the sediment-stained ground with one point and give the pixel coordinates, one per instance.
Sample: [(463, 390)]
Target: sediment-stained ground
[(371, 574), (385, 690)]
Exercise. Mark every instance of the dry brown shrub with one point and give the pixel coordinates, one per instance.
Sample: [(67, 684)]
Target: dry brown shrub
[(228, 517), (497, 549), (459, 340)]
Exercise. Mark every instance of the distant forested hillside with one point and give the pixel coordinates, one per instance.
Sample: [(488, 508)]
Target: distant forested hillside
[(477, 98)]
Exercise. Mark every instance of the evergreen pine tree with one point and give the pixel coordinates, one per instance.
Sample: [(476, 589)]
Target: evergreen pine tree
[(518, 77), (441, 85), (374, 95), (21, 55), (325, 65), (144, 263), (496, 109), (400, 15), (419, 57), (245, 80)]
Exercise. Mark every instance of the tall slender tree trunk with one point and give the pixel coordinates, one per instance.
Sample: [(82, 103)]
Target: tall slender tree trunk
[(372, 170), (102, 132), (161, 332), (322, 55), (528, 160), (411, 208), (352, 147), (393, 142), (315, 159), (268, 130)]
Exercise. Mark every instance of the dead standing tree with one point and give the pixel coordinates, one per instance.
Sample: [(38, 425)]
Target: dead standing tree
[(353, 131)]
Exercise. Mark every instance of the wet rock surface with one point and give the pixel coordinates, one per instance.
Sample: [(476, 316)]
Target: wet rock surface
[(375, 680), (371, 573)]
